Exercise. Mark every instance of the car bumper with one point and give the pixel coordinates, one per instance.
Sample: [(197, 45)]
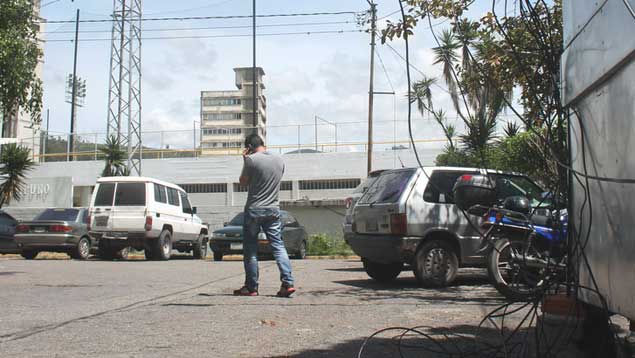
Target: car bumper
[(46, 241), (383, 248), (124, 235), (234, 247), (9, 247)]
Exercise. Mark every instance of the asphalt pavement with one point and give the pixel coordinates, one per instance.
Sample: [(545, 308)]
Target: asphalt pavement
[(185, 308)]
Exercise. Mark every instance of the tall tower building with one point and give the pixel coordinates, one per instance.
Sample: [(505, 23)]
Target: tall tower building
[(227, 116)]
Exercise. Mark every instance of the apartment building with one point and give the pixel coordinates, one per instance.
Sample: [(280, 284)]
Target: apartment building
[(227, 116)]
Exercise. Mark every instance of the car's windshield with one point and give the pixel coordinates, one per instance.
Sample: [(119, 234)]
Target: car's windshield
[(388, 187), (237, 220), (58, 214), (361, 188), (515, 185)]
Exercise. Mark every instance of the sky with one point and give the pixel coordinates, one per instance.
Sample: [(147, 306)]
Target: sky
[(325, 75)]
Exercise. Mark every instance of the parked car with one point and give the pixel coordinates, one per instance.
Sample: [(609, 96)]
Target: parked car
[(407, 217), (56, 230), (7, 231), (229, 240), (146, 214), (355, 196)]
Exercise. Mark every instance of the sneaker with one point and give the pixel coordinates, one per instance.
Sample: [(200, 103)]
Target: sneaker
[(244, 291), (286, 291)]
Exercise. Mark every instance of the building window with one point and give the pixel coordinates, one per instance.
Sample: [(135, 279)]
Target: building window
[(208, 116), (205, 188), (329, 184), (284, 186), (224, 131), (221, 101)]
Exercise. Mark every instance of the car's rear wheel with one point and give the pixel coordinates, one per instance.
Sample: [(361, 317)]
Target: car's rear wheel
[(218, 256), (82, 250), (162, 246), (382, 272), (301, 253), (436, 264), (199, 251), (29, 254)]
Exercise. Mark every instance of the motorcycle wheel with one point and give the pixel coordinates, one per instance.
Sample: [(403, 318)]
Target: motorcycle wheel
[(510, 276)]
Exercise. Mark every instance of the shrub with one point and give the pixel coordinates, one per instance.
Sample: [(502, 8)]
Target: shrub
[(327, 245)]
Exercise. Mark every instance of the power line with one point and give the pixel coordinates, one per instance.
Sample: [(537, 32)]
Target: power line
[(222, 36), (215, 27), (186, 18)]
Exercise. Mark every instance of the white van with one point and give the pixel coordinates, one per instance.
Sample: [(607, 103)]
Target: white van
[(145, 214)]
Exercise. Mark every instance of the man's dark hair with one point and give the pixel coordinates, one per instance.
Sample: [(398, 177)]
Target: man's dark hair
[(253, 141)]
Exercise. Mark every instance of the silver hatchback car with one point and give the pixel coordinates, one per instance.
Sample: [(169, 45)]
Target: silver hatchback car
[(407, 216)]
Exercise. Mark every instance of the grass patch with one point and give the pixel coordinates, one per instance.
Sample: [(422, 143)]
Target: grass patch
[(327, 245)]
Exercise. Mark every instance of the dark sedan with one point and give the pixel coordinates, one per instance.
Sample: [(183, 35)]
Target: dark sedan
[(7, 232), (56, 230), (229, 240)]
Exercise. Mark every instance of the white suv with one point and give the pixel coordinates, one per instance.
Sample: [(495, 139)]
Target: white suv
[(146, 214)]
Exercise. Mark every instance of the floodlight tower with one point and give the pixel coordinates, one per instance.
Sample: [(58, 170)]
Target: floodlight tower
[(124, 95)]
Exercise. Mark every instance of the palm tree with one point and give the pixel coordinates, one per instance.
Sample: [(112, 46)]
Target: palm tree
[(511, 129), (446, 55), (115, 158), (16, 163), (422, 94)]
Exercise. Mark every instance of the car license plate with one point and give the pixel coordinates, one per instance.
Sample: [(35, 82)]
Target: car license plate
[(371, 225), (236, 246), (39, 229), (101, 220)]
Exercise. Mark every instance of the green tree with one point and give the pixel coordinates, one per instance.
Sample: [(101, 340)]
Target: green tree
[(16, 163), (20, 87), (499, 53), (115, 158)]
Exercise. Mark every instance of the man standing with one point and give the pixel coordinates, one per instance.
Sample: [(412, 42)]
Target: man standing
[(262, 172)]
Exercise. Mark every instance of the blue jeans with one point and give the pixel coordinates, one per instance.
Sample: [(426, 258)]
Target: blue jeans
[(267, 220)]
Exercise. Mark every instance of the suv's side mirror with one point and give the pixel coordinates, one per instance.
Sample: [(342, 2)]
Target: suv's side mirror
[(225, 223), (194, 210)]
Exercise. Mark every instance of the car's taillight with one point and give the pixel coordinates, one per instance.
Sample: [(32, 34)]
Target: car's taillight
[(22, 228), (398, 224), (148, 225), (349, 202), (60, 228)]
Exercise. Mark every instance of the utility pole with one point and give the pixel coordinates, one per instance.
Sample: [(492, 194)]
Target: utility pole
[(254, 89), (373, 28), (71, 140)]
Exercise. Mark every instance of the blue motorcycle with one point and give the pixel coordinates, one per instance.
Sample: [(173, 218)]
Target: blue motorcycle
[(526, 250)]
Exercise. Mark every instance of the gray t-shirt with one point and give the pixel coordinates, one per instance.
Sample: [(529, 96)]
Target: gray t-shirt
[(264, 170)]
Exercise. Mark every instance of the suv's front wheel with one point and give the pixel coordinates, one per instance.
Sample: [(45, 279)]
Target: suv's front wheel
[(161, 247), (199, 251), (382, 272), (436, 264)]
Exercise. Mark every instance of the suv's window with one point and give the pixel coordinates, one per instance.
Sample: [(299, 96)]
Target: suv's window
[(187, 208), (58, 214), (388, 187), (173, 196), (440, 185), (361, 188), (130, 194), (159, 194), (105, 194), (515, 185)]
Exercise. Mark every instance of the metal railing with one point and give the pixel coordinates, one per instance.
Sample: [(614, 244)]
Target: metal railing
[(287, 139)]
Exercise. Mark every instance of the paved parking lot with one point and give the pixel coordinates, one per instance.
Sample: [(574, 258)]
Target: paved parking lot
[(184, 308)]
